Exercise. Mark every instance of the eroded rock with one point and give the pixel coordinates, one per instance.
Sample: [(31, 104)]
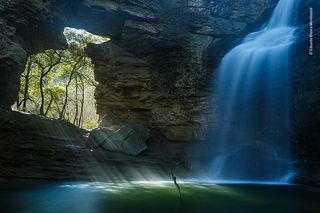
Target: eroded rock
[(155, 63), (128, 139)]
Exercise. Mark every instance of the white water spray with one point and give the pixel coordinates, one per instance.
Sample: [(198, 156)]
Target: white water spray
[(252, 95)]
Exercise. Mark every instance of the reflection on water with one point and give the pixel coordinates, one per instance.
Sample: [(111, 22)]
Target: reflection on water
[(159, 196), (118, 187)]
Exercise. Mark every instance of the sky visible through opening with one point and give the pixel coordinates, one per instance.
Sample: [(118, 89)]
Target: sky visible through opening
[(95, 38)]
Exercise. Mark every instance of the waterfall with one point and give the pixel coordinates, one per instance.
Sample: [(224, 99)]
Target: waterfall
[(252, 96)]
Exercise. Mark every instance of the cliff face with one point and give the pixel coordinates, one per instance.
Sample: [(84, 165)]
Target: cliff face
[(306, 87), (156, 68), (25, 28), (158, 71)]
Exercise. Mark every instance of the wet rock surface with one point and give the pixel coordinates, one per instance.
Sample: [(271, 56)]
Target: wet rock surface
[(305, 89)]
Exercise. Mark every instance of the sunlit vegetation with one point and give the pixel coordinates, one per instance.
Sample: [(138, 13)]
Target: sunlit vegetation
[(60, 84)]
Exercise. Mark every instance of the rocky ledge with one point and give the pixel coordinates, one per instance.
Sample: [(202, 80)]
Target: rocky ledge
[(35, 148)]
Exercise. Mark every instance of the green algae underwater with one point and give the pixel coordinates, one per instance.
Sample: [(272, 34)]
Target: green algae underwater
[(98, 197)]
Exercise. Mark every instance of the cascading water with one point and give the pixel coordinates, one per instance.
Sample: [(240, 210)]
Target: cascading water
[(252, 97)]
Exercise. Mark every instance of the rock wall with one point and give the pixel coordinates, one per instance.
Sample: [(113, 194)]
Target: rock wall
[(158, 72), (306, 93), (155, 69), (25, 28)]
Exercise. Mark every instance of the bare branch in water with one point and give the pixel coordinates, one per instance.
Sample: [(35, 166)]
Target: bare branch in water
[(174, 178)]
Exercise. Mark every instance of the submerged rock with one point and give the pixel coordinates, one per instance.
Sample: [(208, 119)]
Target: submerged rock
[(129, 139)]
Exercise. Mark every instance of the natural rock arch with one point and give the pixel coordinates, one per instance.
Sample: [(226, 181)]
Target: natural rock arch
[(154, 44), (32, 27)]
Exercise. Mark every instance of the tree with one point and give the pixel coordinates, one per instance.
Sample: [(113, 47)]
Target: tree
[(55, 82), (46, 62)]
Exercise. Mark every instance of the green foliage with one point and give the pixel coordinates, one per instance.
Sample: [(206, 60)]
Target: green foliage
[(55, 83), (90, 124)]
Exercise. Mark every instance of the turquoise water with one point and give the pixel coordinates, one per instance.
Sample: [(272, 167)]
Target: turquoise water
[(88, 197)]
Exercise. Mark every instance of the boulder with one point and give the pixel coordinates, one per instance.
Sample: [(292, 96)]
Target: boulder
[(129, 139)]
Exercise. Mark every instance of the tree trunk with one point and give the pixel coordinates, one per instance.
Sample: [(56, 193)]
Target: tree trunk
[(76, 104), (58, 107), (65, 102), (49, 105), (17, 103), (26, 86), (44, 74), (82, 103), (74, 68), (41, 94)]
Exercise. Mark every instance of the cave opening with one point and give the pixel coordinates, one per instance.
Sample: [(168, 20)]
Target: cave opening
[(60, 84)]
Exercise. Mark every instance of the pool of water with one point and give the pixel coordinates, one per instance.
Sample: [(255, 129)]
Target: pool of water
[(95, 197)]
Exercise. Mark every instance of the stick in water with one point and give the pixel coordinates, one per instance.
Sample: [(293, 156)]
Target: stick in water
[(177, 186)]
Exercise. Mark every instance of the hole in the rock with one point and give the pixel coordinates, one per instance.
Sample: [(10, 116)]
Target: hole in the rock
[(60, 84)]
